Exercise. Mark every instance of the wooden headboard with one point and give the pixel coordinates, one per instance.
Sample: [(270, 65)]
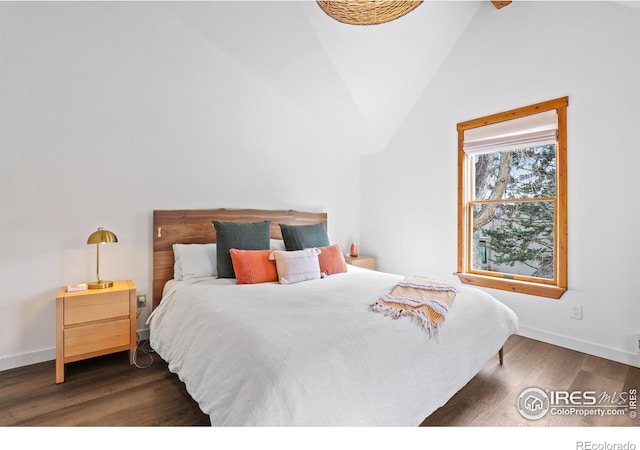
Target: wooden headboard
[(194, 226)]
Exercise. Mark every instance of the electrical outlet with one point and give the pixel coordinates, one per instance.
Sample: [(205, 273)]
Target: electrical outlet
[(142, 300), (576, 312)]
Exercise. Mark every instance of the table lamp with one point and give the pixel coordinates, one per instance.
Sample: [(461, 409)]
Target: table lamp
[(98, 237)]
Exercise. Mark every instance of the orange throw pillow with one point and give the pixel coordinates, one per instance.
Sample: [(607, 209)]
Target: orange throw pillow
[(332, 260), (253, 266)]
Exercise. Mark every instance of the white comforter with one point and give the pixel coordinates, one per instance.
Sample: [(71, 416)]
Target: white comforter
[(313, 354)]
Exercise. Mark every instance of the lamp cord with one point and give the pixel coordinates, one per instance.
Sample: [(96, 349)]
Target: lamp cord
[(147, 351)]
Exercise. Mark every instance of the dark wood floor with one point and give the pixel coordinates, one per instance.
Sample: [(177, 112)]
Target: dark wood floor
[(107, 391), (490, 399), (103, 391)]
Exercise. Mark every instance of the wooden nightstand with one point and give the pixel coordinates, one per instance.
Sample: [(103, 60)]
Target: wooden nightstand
[(367, 262), (95, 322)]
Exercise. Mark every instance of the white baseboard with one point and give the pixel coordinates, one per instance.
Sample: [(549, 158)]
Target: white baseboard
[(590, 348), (143, 335), (26, 359)]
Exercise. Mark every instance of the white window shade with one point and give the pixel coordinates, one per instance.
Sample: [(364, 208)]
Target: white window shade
[(529, 131)]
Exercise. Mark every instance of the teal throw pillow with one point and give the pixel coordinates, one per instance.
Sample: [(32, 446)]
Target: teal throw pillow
[(298, 237), (240, 235)]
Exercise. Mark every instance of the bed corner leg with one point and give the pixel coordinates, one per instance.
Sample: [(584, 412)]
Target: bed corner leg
[(501, 355)]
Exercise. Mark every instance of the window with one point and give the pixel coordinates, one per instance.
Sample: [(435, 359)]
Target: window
[(512, 200)]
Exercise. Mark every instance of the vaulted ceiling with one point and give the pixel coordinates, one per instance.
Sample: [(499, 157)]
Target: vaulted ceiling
[(379, 70), (368, 77)]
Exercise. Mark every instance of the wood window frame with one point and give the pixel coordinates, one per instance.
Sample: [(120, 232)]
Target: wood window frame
[(544, 288)]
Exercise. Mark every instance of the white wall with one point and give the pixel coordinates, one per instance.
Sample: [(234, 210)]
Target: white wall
[(526, 53), (111, 110)]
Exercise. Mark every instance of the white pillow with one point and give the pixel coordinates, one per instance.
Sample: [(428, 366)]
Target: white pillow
[(277, 244), (298, 265), (194, 261)]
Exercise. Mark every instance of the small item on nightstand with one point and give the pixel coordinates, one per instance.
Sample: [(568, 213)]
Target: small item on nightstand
[(76, 287), (353, 251)]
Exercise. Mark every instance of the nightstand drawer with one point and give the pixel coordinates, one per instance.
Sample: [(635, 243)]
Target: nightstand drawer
[(89, 308), (96, 337)]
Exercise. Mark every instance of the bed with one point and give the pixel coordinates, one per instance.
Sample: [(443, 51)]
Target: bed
[(310, 353)]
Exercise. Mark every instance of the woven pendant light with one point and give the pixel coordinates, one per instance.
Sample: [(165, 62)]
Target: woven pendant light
[(367, 12)]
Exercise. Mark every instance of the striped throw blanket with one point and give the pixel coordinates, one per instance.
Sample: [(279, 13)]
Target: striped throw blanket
[(420, 298)]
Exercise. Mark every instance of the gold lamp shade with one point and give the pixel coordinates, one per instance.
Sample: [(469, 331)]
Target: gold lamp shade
[(100, 236), (367, 12)]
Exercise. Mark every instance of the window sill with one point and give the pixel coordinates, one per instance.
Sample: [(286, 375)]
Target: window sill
[(522, 287)]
